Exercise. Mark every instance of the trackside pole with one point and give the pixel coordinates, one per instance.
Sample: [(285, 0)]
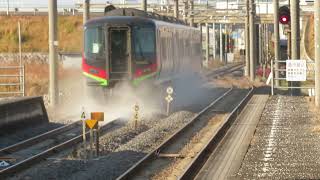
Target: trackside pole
[(91, 143), (97, 139), (53, 56), (317, 51), (86, 10), (252, 33), (276, 39), (247, 51), (295, 37), (84, 138)]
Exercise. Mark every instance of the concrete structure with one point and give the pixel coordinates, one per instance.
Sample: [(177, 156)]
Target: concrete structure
[(276, 39), (295, 36), (252, 33), (86, 10), (53, 55), (317, 51), (247, 36)]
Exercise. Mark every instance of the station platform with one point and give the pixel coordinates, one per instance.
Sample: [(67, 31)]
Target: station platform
[(275, 137)]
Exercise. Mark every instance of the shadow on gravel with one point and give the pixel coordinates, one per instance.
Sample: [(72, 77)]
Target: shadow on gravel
[(262, 90), (104, 168), (13, 134), (195, 101)]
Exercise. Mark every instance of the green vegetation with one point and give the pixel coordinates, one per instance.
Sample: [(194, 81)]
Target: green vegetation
[(34, 30)]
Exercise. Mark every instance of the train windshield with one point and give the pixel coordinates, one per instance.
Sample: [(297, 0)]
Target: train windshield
[(94, 42), (144, 45)]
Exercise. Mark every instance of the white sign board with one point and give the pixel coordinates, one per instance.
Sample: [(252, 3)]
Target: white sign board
[(296, 70), (169, 90), (169, 99)]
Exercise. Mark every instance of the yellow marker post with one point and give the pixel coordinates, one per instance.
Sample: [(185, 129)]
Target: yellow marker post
[(91, 123)]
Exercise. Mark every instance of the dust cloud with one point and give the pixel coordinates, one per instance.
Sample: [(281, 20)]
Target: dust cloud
[(118, 102)]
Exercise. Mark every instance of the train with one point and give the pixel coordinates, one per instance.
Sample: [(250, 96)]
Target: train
[(134, 46)]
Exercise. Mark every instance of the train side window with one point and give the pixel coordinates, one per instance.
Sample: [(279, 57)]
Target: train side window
[(144, 47)]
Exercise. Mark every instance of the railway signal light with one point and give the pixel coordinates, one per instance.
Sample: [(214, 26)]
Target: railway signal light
[(284, 15)]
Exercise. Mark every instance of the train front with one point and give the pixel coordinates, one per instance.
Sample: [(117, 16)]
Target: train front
[(118, 50)]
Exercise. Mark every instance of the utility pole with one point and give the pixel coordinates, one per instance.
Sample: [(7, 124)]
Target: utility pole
[(185, 10), (247, 70), (8, 12), (214, 41), (207, 44), (86, 10), (295, 36), (317, 50), (176, 9), (144, 5), (221, 45), (276, 39), (53, 56), (191, 13), (200, 29), (252, 40), (260, 34), (226, 43)]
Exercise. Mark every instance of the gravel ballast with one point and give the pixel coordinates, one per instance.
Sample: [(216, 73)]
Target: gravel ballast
[(124, 150)]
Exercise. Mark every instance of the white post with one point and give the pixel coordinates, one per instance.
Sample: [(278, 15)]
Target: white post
[(317, 51), (8, 8), (214, 41)]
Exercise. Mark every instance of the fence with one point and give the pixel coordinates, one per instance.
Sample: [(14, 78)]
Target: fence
[(12, 81), (282, 76)]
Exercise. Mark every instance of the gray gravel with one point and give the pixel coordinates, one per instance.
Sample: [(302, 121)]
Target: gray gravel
[(119, 158), (285, 145), (10, 138), (150, 139)]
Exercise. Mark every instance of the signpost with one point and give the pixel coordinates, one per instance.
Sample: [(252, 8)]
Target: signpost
[(296, 70), (169, 99), (136, 115), (98, 116), (93, 125)]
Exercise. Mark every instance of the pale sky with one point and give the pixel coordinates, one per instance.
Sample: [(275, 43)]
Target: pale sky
[(63, 3)]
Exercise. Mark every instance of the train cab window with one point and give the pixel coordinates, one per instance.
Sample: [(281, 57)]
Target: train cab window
[(94, 42), (144, 51)]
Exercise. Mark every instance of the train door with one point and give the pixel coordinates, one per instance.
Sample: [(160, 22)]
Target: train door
[(119, 53)]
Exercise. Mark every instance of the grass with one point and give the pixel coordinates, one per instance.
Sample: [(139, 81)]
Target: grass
[(37, 78), (34, 32)]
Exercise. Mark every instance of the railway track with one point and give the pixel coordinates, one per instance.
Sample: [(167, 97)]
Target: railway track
[(31, 151), (225, 70), (230, 102)]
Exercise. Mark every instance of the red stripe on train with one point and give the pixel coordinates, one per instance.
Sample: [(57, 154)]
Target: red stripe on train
[(93, 70)]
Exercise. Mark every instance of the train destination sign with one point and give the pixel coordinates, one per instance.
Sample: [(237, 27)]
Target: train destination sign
[(296, 70)]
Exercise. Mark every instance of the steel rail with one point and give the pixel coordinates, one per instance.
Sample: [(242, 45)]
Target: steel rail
[(225, 70), (194, 167), (36, 139), (9, 171), (153, 155)]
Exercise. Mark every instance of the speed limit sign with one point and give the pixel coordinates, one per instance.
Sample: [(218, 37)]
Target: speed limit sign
[(169, 90)]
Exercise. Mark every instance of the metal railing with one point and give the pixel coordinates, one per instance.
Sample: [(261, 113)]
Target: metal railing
[(12, 83), (282, 77)]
